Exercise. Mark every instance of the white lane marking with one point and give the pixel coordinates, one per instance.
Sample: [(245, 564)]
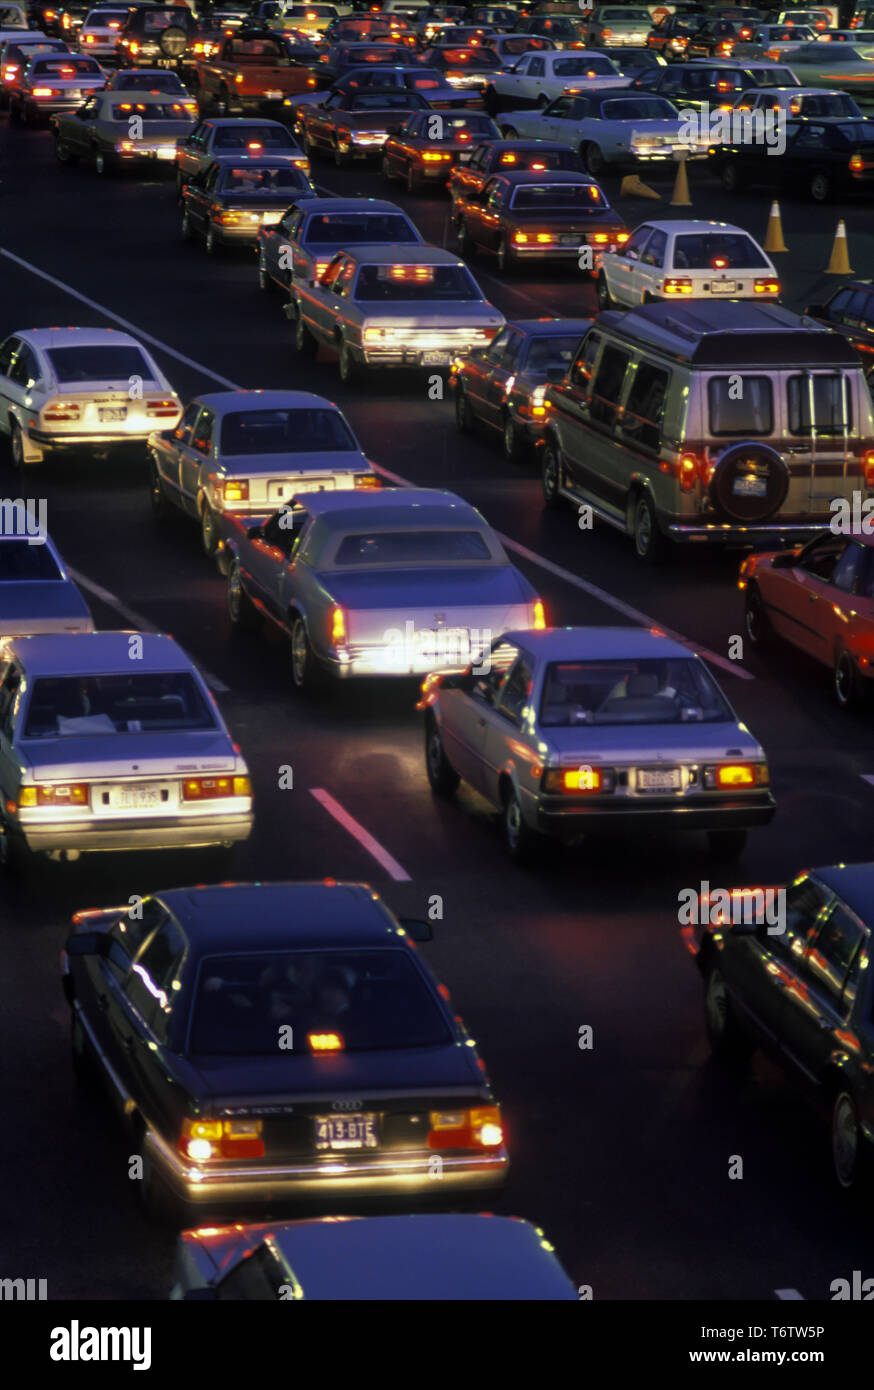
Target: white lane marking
[(602, 595), (116, 318), (140, 623), (363, 836), (787, 1295), (867, 777), (591, 589)]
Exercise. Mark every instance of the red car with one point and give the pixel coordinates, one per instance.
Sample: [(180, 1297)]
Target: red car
[(820, 597)]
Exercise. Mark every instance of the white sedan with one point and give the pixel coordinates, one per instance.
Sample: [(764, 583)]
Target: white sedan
[(686, 260), (540, 77), (611, 129), (98, 36), (808, 102)]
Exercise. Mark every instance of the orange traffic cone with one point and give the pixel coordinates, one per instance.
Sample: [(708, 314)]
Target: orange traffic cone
[(840, 257), (774, 235), (680, 198), (632, 186)]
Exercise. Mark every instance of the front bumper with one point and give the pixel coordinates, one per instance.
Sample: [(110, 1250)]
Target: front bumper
[(135, 833), (654, 813)]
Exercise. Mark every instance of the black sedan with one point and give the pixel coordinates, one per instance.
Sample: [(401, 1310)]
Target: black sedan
[(823, 159), (281, 1040), (791, 974), (498, 156), (851, 311), (231, 200)]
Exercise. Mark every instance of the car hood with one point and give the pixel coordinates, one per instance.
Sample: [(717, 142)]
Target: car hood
[(652, 743), (272, 465), (42, 606), (255, 1082), (403, 591), (124, 755)]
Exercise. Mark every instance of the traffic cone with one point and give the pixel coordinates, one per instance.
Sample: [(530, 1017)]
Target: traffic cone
[(680, 197), (632, 186), (840, 257), (774, 235)]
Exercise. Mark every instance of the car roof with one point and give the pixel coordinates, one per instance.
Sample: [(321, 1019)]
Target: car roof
[(548, 146), (550, 327), (597, 643), (404, 254), (76, 337), (734, 332), (221, 122), (267, 916), (144, 98), (223, 401), (854, 884), (391, 506), (519, 177), (95, 653), (320, 205), (693, 224)]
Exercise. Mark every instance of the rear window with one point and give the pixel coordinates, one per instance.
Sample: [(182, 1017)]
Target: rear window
[(453, 126), (103, 362), (856, 132), (240, 137), (154, 110), (675, 690), (771, 77), (430, 548), (20, 561), (551, 354), (65, 67), (415, 282), (257, 51), (156, 20), (254, 181), (558, 197), (380, 53), (151, 82), (469, 58), (820, 401), (825, 104), (285, 432), (85, 706), (352, 228), (371, 999), (751, 413), (384, 101), (717, 251), (535, 159)]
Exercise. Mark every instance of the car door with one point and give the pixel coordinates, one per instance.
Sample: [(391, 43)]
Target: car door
[(807, 148), (24, 374), (799, 597), (816, 1007), (191, 149), (552, 124), (266, 559), (479, 370), (170, 456), (649, 270), (500, 374), (100, 990), (486, 227), (465, 724), (533, 84), (281, 253), (194, 459), (505, 738), (77, 130), (621, 268), (514, 83)]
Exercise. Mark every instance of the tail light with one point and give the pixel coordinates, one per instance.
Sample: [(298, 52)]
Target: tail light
[(538, 615), (325, 1042), (203, 1140), (228, 219), (687, 470), (857, 164), (62, 410), (766, 286), (868, 468), (237, 491), (45, 92), (89, 38), (239, 77), (466, 1129), (622, 237), (430, 690), (55, 794), (320, 268), (734, 776), (161, 410), (578, 780), (214, 788), (126, 146), (677, 285), (338, 626), (134, 46), (435, 157), (298, 163), (9, 73), (311, 82), (368, 481), (606, 33)]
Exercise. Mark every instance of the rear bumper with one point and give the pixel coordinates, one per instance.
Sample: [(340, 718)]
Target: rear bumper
[(767, 533), (132, 834), (52, 442), (730, 814)]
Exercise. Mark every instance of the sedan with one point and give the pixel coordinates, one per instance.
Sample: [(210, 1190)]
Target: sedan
[(428, 82), (564, 31), (850, 310), (430, 144), (154, 80), (233, 199), (102, 752), (37, 594), (120, 129), (803, 994), (442, 1256), (275, 1041), (819, 598), (710, 87), (539, 78), (251, 451), (610, 26), (846, 66), (497, 156), (692, 260), (670, 36), (805, 102), (770, 40), (68, 388), (508, 48), (14, 57), (99, 32), (52, 84), (393, 583), (669, 749), (228, 137), (524, 217), (823, 160), (336, 61), (504, 386), (356, 125), (393, 306), (301, 247), (469, 69)]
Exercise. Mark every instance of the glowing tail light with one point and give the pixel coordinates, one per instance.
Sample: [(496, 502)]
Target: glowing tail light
[(607, 33), (62, 410), (214, 788), (435, 157), (734, 776), (687, 470), (368, 481), (9, 73), (677, 285), (298, 163), (89, 38), (538, 615), (578, 780), (766, 287), (45, 92), (55, 794), (868, 468), (857, 163), (134, 46), (203, 1140), (466, 1129), (237, 491), (161, 410), (338, 626), (325, 1042)]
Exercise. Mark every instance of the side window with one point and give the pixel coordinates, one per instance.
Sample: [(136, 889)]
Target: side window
[(7, 352), (820, 559), (581, 371), (510, 355), (212, 177), (607, 387), (183, 430), (645, 408), (501, 659), (8, 692), (258, 1278), (24, 368), (202, 438), (149, 985), (636, 242), (655, 249), (805, 900), (859, 312), (839, 304), (851, 568), (561, 107), (811, 137), (832, 953), (535, 67), (129, 933), (516, 690), (290, 224), (495, 193)]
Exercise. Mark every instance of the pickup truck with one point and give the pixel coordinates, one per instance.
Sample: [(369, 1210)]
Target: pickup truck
[(255, 70)]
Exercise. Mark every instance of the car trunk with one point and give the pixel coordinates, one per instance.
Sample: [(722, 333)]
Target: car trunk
[(274, 478), (41, 606), (127, 755)]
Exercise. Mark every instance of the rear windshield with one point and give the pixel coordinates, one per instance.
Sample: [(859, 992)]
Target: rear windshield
[(770, 77), (469, 58), (822, 402), (384, 101), (151, 82), (556, 26), (105, 19), (366, 1000), (256, 181), (750, 411), (240, 137), (856, 132), (84, 706), (430, 548), (452, 126), (154, 110), (65, 67), (670, 691), (547, 354), (355, 228), (380, 53), (717, 251), (285, 432), (535, 159), (511, 46), (581, 67), (422, 282), (825, 104), (559, 197), (155, 20), (19, 560), (99, 363)]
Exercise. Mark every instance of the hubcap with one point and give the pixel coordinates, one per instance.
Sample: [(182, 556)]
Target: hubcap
[(208, 529), (644, 529), (845, 1140), (513, 822), (753, 627), (550, 473), (298, 652), (819, 187)]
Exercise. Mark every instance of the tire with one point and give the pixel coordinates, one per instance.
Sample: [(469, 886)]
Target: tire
[(551, 474), (726, 846), (102, 163), (605, 299), (12, 854), (14, 110), (351, 371), (180, 184), (212, 242), (735, 462), (728, 1043), (848, 685), (542, 101), (16, 448), (414, 181), (209, 531), (173, 41), (304, 340), (157, 495), (649, 542), (731, 177), (465, 420), (515, 444), (490, 101), (507, 261), (306, 673), (387, 172), (241, 610), (523, 844), (847, 1143), (442, 777), (819, 187), (187, 229), (62, 152), (756, 621), (264, 282), (593, 159)]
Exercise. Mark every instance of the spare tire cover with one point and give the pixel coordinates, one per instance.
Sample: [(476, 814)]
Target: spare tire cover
[(749, 482), (173, 41)]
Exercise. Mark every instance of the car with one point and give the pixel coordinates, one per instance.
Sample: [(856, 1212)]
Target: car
[(862, 37), (53, 83), (119, 129), (670, 35), (313, 230), (719, 38), (361, 29), (803, 102), (772, 41), (250, 451), (37, 594), (355, 125), (229, 137), (802, 995), (538, 78), (508, 48), (695, 259), (563, 30), (823, 160), (614, 26), (464, 35), (820, 599), (394, 583), (63, 389), (431, 20), (842, 65), (429, 82), (712, 86), (495, 156), (468, 69), (669, 750), (15, 18), (155, 80), (425, 150), (648, 432), (820, 20), (101, 752), (158, 36), (374, 1084), (98, 35), (501, 17), (432, 1255), (630, 60), (504, 386), (310, 20), (14, 57), (232, 199), (392, 306), (616, 130), (524, 217), (850, 310), (336, 60), (253, 71)]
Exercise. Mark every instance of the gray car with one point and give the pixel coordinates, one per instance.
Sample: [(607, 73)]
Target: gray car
[(229, 137), (590, 729), (112, 741), (393, 583), (613, 26), (36, 592), (313, 230)]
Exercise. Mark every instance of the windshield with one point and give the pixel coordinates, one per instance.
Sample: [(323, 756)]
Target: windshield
[(670, 691), (105, 19), (558, 197), (82, 706), (19, 560), (357, 228), (717, 251), (255, 181), (558, 27), (155, 20), (431, 548), (364, 1000), (420, 282), (285, 432), (239, 137), (99, 363)]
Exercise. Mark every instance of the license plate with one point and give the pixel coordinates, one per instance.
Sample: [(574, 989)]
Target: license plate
[(148, 794), (750, 487), (723, 287), (277, 491), (346, 1132), (435, 359), (108, 414), (273, 96), (665, 779)]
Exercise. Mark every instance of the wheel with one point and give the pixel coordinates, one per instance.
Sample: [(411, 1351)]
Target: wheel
[(212, 242), (465, 419), (649, 542), (731, 177), (848, 684), (550, 474), (341, 160), (847, 1142), (305, 670), (605, 299), (187, 229), (264, 281), (465, 242), (414, 182), (387, 171), (304, 340), (507, 261), (241, 610), (209, 530), (16, 447), (442, 776), (726, 846), (515, 444), (523, 843), (756, 621), (542, 101), (820, 186), (157, 495), (728, 1042), (593, 159), (62, 152), (102, 162), (350, 369)]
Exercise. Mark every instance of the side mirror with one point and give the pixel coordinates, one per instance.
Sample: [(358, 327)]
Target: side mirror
[(255, 533), (416, 929), (87, 943)]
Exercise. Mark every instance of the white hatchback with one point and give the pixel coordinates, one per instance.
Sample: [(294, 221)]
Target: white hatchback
[(684, 260)]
